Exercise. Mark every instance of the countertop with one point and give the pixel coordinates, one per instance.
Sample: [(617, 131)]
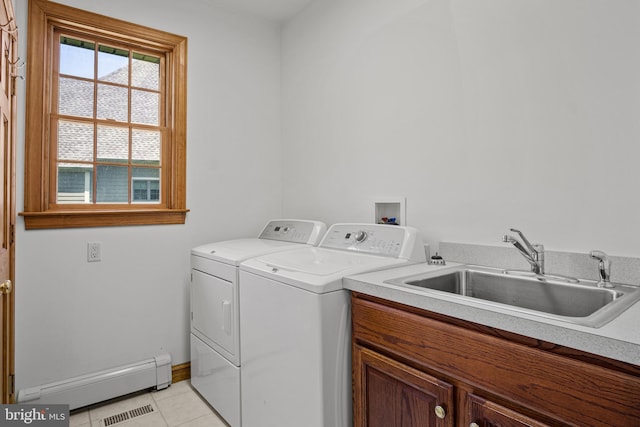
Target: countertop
[(619, 339)]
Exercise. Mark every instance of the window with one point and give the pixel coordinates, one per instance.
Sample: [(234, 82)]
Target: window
[(105, 120), (107, 146)]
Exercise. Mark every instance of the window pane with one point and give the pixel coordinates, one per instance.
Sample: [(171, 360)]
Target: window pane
[(76, 57), (145, 173), (140, 191), (145, 147), (146, 184), (145, 71), (145, 107), (113, 65), (112, 103), (75, 141), (74, 183), (113, 144), (75, 97), (112, 184)]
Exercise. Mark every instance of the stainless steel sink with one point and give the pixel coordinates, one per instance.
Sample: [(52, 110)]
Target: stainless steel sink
[(583, 303)]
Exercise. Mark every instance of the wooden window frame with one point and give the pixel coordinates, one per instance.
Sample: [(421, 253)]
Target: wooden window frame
[(40, 208)]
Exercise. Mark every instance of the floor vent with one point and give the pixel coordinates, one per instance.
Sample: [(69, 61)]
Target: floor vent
[(127, 415)]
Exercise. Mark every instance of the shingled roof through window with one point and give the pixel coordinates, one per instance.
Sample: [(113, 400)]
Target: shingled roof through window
[(75, 139)]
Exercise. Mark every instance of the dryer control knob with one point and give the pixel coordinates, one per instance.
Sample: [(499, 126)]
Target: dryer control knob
[(361, 236)]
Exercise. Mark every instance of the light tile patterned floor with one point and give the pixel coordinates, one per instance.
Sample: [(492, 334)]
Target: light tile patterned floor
[(177, 406)]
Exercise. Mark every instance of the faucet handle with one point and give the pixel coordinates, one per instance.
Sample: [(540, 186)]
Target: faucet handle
[(532, 248)]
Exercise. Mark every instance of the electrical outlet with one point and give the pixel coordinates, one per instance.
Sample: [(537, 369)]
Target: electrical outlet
[(93, 251)]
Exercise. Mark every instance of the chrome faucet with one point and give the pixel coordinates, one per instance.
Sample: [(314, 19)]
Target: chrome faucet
[(604, 268), (532, 253)]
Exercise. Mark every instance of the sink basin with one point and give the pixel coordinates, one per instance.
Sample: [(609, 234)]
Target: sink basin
[(582, 303)]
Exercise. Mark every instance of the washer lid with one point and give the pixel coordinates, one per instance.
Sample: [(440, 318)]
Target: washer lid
[(319, 262), (318, 270)]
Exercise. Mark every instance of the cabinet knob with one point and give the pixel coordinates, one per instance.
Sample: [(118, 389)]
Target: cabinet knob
[(6, 287), (474, 425), (440, 412)]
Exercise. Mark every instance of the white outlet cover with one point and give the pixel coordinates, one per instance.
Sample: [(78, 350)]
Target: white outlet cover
[(93, 252)]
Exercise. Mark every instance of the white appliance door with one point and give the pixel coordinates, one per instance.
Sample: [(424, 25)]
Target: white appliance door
[(217, 380), (295, 355), (213, 311)]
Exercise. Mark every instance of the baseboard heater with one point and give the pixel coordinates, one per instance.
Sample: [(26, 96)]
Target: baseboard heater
[(104, 385)]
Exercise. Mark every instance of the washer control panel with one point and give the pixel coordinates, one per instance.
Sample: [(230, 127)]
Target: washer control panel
[(294, 231), (387, 240)]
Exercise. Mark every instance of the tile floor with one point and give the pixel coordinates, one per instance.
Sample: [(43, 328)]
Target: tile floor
[(177, 406)]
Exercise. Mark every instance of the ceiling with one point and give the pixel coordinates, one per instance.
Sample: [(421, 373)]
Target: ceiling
[(276, 10)]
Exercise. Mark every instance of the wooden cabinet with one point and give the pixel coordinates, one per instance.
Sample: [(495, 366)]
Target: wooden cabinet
[(407, 362), (394, 394), (485, 413)]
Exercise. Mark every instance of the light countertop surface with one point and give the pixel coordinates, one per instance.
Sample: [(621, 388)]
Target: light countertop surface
[(619, 339)]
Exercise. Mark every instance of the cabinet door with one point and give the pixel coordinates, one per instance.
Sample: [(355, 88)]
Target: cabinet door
[(388, 393), (484, 413)]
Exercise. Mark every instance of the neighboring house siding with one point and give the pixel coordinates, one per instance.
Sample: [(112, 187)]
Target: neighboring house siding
[(72, 180), (112, 184)]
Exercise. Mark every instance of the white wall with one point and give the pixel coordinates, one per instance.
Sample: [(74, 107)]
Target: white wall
[(485, 114), (74, 317)]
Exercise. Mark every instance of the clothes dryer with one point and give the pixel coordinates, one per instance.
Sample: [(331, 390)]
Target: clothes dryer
[(295, 322), (215, 308)]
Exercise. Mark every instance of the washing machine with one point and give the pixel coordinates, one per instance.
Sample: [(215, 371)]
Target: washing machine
[(296, 324), (215, 308)]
